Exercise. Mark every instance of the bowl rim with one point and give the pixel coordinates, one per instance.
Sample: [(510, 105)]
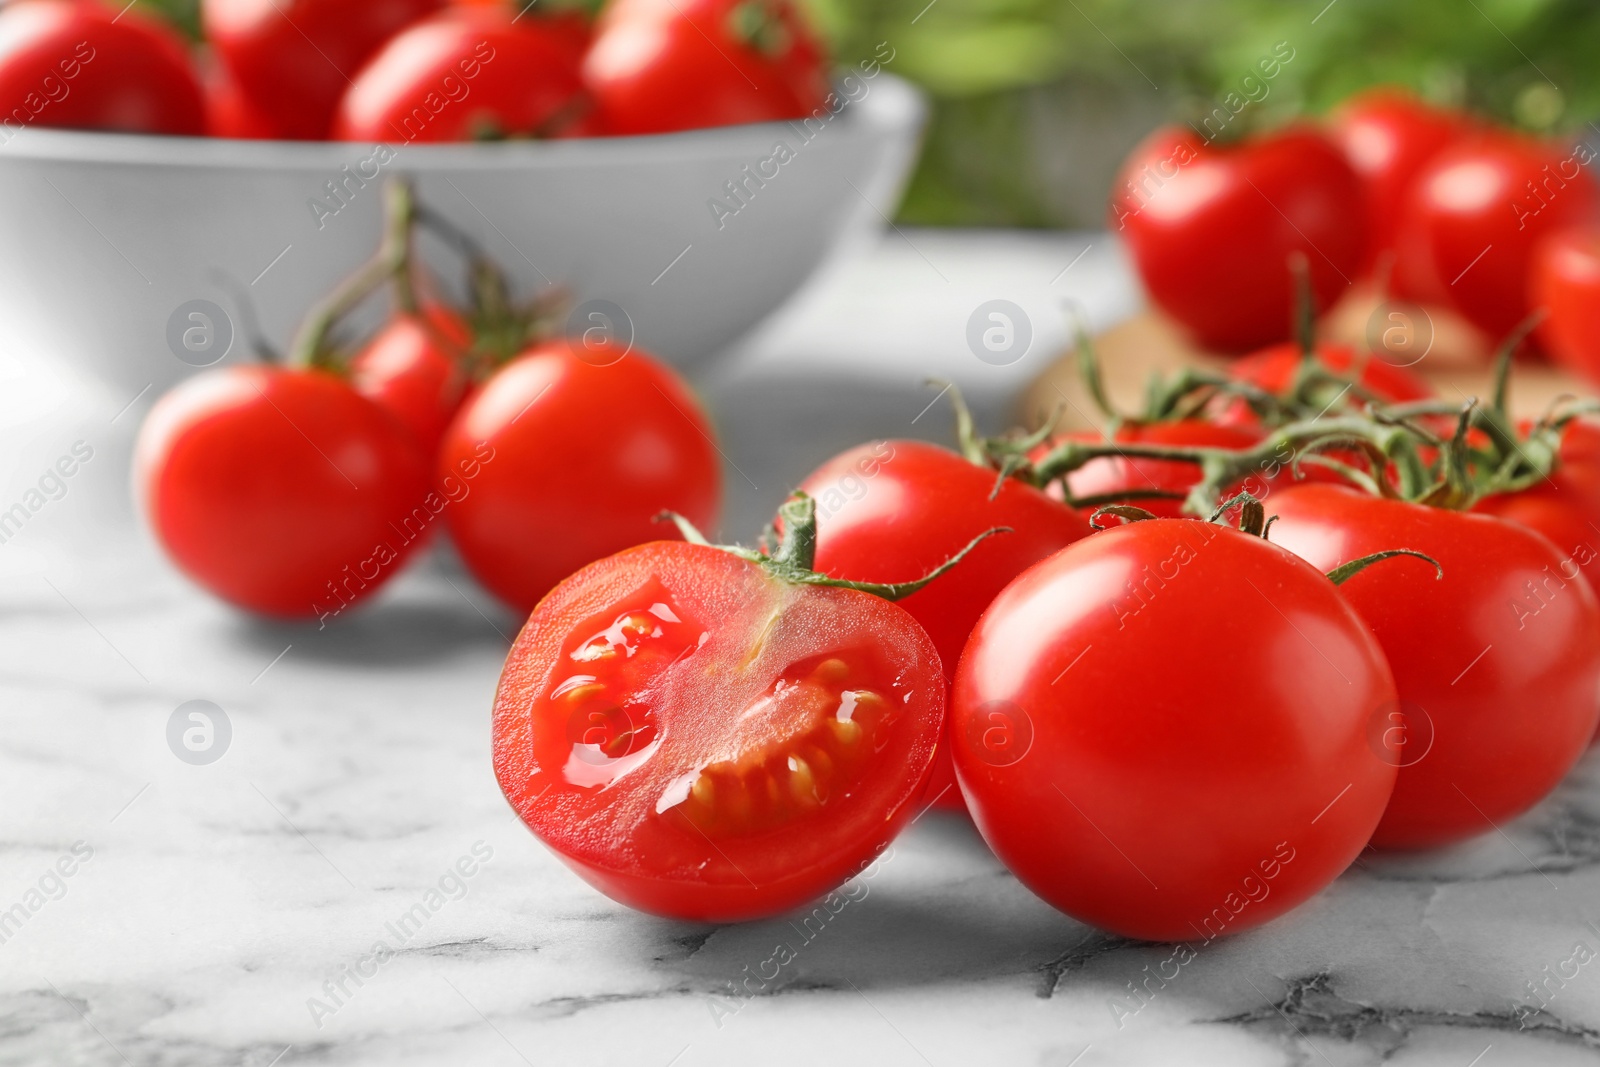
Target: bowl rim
[(890, 106)]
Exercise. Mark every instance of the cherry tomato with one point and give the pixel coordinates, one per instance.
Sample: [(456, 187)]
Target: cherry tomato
[(701, 740), (590, 443), (662, 65), (1212, 227), (1117, 474), (1273, 369), (892, 511), (1388, 136), (282, 491), (1565, 282), (229, 113), (413, 369), (1162, 730), (1497, 663), (464, 74), (1565, 507), (572, 25), (1481, 206), (79, 64), (293, 59)]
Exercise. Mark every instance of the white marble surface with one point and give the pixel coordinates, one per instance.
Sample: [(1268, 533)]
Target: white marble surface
[(219, 899)]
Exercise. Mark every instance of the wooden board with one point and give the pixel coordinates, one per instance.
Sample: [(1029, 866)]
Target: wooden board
[(1456, 363)]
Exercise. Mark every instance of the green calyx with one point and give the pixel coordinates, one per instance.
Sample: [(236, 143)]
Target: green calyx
[(793, 559)]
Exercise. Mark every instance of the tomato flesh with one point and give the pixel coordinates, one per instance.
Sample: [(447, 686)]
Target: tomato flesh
[(892, 511), (700, 740)]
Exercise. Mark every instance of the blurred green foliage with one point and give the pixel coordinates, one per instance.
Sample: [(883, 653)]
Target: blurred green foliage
[(185, 13), (1003, 74)]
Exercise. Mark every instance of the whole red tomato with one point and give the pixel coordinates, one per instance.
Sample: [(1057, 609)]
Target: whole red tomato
[(79, 64), (1111, 475), (590, 444), (1479, 209), (282, 491), (1162, 730), (464, 74), (1497, 663), (413, 368), (1388, 136), (1565, 282), (1274, 368), (892, 511), (293, 59), (1565, 507), (662, 65), (701, 739), (1212, 228)]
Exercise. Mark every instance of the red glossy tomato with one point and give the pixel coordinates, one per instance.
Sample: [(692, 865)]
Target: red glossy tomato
[(1212, 227), (892, 511), (699, 739), (1388, 136), (1497, 663), (413, 369), (465, 74), (1163, 730), (1565, 507), (1273, 369), (81, 65), (293, 59), (1565, 282), (1118, 474), (662, 65), (586, 453), (282, 491), (229, 113), (1480, 208), (572, 24)]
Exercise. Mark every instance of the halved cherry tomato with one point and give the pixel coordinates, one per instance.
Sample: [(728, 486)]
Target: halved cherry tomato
[(1212, 228), (82, 65), (893, 510), (293, 59), (282, 491), (1162, 730), (1388, 136), (662, 65), (590, 443), (1565, 282), (1497, 663), (464, 74), (702, 740), (1481, 206), (413, 368)]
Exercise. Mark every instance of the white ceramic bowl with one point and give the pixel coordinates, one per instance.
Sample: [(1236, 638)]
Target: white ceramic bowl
[(104, 236)]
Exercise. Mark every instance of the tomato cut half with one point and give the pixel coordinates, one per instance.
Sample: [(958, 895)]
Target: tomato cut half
[(700, 739)]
